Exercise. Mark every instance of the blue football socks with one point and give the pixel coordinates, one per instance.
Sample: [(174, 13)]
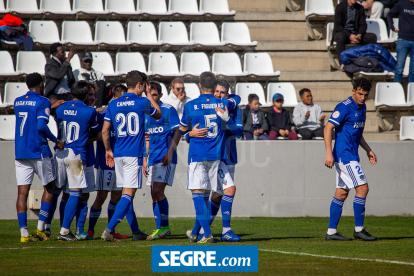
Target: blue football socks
[(335, 212), (201, 214), (111, 210), (163, 207), (226, 205), (70, 209), (56, 195), (359, 211), (157, 215), (93, 218), (121, 210), (132, 218), (62, 207), (81, 216)]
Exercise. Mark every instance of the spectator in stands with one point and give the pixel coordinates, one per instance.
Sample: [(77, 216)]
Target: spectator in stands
[(374, 8), (86, 72), (177, 98), (350, 26), (279, 120), (254, 120), (405, 43), (58, 74), (308, 116)]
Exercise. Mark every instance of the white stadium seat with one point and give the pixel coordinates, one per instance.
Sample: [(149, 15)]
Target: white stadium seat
[(192, 90), (236, 34), (153, 7), (120, 6), (194, 64), (407, 128), (129, 61), (378, 27), (30, 62), (7, 65), (173, 33), (109, 32), (164, 64), (410, 93), (102, 62), (13, 90), (44, 32), (56, 6), (2, 8), (393, 35), (164, 91), (216, 7), (88, 6), (318, 8), (205, 33), (244, 89), (185, 7), (23, 6), (227, 64), (142, 33), (286, 89), (77, 33), (7, 127), (259, 64)]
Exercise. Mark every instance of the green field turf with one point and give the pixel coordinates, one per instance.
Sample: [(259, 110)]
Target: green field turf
[(280, 241)]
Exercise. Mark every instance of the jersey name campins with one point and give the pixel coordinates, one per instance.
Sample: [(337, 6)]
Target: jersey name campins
[(19, 103), (126, 103)]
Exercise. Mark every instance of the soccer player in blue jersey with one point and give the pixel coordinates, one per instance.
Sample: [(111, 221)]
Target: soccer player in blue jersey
[(77, 122), (164, 137), (348, 119), (127, 114), (206, 153), (33, 155)]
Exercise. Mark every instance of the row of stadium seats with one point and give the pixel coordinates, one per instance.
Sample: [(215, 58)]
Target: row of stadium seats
[(140, 33), (256, 65), (99, 7)]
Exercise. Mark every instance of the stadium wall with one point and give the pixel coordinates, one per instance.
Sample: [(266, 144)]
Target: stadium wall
[(273, 179)]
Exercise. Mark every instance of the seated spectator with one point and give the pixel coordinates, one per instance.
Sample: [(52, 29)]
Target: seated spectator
[(177, 98), (374, 8), (308, 116), (350, 26), (86, 72), (254, 120), (279, 120), (58, 74)]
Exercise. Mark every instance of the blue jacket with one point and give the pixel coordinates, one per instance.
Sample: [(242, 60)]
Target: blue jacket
[(386, 60)]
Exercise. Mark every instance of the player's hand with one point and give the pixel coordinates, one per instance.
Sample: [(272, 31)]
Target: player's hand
[(223, 114), (322, 117), (145, 167), (147, 137), (256, 133), (261, 131), (167, 158), (396, 30), (329, 161), (307, 115), (60, 145), (148, 90), (57, 103), (198, 132), (70, 55), (110, 162), (101, 108), (372, 158)]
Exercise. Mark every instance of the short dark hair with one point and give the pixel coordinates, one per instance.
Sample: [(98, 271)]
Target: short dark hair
[(208, 81), (33, 80), (303, 91), (54, 47), (119, 90), (177, 80), (362, 83), (135, 77), (252, 97), (93, 85), (156, 86), (224, 83), (80, 89)]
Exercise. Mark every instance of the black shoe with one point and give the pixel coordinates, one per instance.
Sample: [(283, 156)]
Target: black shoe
[(48, 233), (364, 235), (139, 236), (336, 237), (68, 237)]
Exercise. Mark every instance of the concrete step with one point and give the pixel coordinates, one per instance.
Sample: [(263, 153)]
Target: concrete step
[(278, 31), (269, 16), (300, 61), (382, 136), (269, 45), (314, 76), (326, 91), (258, 5)]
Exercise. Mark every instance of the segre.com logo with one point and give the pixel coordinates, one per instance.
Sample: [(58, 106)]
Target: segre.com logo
[(193, 258)]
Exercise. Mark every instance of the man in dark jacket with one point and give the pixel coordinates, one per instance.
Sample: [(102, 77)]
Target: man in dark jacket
[(59, 75), (350, 26), (254, 120)]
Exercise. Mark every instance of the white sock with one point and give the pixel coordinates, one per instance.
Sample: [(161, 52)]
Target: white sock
[(331, 231), (225, 229), (40, 225), (48, 226), (202, 231), (359, 228), (64, 231), (24, 232)]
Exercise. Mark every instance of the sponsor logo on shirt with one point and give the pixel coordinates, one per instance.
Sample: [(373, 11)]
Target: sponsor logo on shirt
[(359, 125), (154, 130)]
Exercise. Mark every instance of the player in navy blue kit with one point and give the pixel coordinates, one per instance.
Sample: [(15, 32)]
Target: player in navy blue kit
[(33, 155), (348, 119), (127, 115), (164, 137), (77, 122), (206, 153)]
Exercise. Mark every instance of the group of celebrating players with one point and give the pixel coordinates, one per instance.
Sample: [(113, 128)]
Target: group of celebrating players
[(138, 135)]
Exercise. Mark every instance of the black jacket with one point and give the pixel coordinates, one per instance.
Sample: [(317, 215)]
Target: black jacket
[(54, 72), (248, 120), (279, 121), (341, 16)]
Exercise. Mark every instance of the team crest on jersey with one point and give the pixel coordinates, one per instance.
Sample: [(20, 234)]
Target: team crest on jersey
[(356, 114), (362, 176), (335, 114), (27, 97), (47, 111)]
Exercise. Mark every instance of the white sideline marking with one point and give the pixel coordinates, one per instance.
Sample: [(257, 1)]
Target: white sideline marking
[(337, 257), (72, 247)]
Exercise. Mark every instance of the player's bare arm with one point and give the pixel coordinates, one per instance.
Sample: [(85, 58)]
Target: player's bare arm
[(105, 139), (158, 114), (167, 158), (371, 155), (329, 159), (60, 145)]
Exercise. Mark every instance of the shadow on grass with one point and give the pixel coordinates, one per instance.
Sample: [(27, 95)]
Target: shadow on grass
[(395, 238), (277, 238)]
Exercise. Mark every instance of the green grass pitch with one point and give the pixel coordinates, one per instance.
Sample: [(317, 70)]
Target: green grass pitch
[(281, 243)]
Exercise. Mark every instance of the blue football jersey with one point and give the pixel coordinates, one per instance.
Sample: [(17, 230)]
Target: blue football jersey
[(100, 147), (30, 143), (90, 155), (161, 133), (202, 111), (76, 122), (231, 137), (349, 121), (127, 114)]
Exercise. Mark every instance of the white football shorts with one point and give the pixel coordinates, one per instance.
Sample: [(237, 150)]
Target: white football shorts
[(128, 172), (225, 176), (106, 181), (203, 176), (349, 175), (70, 170), (162, 174), (45, 169), (90, 180)]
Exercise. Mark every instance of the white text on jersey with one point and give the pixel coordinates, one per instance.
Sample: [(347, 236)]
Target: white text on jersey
[(211, 106), (31, 103), (70, 112), (155, 130), (128, 103)]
